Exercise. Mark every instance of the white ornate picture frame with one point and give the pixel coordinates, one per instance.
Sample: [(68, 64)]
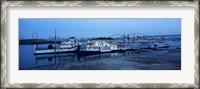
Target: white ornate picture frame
[(4, 39)]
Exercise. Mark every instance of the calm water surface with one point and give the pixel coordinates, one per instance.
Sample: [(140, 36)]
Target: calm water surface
[(27, 59)]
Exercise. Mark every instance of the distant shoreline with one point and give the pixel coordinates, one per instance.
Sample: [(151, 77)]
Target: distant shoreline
[(37, 41)]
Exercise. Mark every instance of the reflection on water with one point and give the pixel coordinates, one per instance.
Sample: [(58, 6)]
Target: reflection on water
[(28, 60), (71, 57)]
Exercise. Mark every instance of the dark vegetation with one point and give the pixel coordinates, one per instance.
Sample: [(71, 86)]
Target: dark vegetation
[(37, 41)]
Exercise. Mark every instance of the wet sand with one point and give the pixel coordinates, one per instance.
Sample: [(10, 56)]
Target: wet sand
[(155, 60)]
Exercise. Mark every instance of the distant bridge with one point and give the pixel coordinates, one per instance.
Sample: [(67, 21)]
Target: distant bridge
[(119, 35), (174, 35), (144, 35)]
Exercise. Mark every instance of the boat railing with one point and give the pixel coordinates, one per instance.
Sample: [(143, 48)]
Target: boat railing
[(93, 47), (43, 48)]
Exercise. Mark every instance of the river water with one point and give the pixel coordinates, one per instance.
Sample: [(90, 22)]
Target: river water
[(27, 59)]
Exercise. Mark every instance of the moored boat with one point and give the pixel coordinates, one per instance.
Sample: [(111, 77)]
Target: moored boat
[(96, 46), (66, 46), (161, 45)]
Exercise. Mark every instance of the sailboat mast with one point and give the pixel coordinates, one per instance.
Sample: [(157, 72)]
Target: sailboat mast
[(55, 42)]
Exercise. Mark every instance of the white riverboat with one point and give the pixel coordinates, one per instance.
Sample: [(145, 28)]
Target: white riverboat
[(161, 45), (97, 46), (69, 45)]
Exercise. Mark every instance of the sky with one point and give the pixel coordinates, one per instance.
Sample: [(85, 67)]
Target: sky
[(91, 27)]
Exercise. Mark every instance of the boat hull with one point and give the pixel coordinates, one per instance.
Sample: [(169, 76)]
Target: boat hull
[(118, 50), (89, 52), (52, 51)]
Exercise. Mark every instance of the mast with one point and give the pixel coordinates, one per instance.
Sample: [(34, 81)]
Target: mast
[(128, 38), (124, 38), (35, 37), (55, 43)]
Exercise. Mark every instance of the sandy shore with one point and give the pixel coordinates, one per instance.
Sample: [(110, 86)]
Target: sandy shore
[(154, 60)]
